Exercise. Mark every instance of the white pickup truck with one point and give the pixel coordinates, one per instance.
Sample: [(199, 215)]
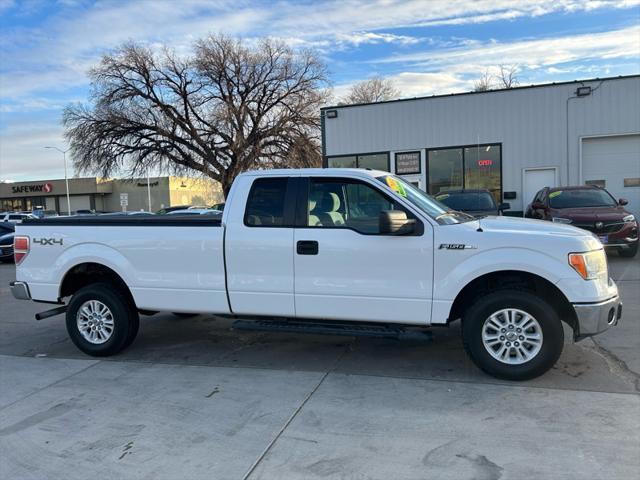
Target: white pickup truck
[(329, 245)]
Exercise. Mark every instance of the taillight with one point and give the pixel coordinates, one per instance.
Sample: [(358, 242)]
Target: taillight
[(20, 248)]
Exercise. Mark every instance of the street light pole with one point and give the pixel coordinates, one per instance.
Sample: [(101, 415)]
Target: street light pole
[(66, 178)]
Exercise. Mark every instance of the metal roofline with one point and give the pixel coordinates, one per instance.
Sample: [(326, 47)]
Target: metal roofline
[(619, 77)]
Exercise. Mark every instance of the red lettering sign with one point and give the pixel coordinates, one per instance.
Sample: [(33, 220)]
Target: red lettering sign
[(48, 187), (485, 163)]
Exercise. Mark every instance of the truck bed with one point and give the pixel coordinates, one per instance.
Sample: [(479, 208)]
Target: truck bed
[(169, 262)]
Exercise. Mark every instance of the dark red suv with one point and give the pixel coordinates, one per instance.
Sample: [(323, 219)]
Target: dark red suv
[(591, 208)]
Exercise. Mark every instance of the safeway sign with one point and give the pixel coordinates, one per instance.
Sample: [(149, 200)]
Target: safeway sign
[(37, 188)]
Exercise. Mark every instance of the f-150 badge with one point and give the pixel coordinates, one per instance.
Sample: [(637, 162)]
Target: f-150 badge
[(456, 246)]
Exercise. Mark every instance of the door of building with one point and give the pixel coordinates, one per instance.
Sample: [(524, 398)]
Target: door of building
[(613, 163)]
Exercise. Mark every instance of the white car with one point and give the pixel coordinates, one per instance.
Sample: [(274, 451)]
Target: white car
[(327, 244), (15, 217), (195, 211)]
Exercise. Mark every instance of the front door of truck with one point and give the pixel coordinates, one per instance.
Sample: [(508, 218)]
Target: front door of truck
[(259, 246), (345, 268)]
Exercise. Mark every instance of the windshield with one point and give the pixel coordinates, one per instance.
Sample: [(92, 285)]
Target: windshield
[(581, 198), (467, 201), (436, 210)]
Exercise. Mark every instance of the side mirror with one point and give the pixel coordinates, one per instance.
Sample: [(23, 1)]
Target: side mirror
[(504, 206), (623, 201), (395, 222)]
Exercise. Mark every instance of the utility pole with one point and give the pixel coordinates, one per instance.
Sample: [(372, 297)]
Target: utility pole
[(66, 178)]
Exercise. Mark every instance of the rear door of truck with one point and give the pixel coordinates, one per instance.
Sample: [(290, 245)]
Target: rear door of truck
[(259, 245)]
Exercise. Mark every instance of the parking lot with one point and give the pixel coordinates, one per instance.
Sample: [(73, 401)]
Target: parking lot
[(191, 398)]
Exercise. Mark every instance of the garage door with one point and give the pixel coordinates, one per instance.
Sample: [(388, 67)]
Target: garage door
[(614, 162)]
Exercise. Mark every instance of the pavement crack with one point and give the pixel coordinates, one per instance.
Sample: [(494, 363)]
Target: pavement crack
[(616, 365), (294, 415)]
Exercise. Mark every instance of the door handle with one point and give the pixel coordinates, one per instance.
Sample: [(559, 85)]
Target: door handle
[(307, 247)]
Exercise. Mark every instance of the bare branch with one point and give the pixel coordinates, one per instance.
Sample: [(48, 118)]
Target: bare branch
[(375, 89), (227, 109)]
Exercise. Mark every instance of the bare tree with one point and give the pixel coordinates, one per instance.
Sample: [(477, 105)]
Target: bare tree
[(484, 83), (226, 109), (507, 77), (375, 89)]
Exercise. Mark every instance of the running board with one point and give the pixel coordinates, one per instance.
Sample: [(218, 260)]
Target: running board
[(397, 332)]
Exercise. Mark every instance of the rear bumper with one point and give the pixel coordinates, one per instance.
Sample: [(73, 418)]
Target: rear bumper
[(594, 318), (20, 290), (6, 251)]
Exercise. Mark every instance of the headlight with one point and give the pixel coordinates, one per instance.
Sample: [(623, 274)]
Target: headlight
[(628, 219), (560, 220), (590, 265)]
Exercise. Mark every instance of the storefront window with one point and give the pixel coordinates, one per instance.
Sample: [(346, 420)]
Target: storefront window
[(374, 161), (478, 167), (445, 170), (378, 161), (482, 169), (342, 162)]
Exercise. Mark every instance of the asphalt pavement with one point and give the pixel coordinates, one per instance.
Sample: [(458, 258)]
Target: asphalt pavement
[(192, 399)]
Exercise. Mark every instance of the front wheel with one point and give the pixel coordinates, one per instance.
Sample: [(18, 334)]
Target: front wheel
[(101, 320), (512, 334)]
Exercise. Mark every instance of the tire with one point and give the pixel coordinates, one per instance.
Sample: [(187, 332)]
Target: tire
[(185, 314), (628, 252), (501, 308), (114, 311)]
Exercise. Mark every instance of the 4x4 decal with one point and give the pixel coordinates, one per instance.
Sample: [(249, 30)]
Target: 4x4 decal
[(48, 241)]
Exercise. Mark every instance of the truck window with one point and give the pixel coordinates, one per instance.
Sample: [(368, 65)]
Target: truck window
[(265, 205), (347, 204)]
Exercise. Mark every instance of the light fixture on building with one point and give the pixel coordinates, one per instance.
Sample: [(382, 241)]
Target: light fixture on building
[(583, 91), (332, 114)]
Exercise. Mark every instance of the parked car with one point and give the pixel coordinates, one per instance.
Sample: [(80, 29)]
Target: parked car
[(127, 214), (478, 203), (166, 210), (359, 246), (15, 217), (218, 206), (591, 208), (44, 213), (196, 211), (6, 242)]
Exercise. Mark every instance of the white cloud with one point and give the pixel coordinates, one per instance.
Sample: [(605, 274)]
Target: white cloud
[(621, 43), (360, 38)]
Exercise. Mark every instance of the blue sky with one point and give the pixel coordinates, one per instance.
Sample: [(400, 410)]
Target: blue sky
[(426, 47)]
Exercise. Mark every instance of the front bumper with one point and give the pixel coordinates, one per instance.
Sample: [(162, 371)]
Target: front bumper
[(594, 318), (20, 290)]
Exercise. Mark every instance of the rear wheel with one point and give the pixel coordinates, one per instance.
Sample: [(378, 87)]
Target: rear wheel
[(512, 334), (628, 252), (101, 320)]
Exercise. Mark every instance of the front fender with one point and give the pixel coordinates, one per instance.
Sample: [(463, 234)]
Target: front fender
[(455, 269)]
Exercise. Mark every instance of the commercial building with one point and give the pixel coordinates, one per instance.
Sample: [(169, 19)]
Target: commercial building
[(512, 142), (101, 194)]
